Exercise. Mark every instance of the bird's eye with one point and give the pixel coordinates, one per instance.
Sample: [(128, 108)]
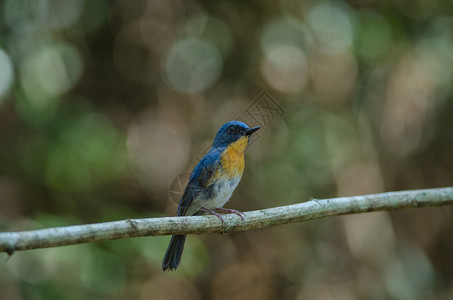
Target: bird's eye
[(231, 129)]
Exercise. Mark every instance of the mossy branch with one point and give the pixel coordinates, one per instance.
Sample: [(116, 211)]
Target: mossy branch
[(313, 209)]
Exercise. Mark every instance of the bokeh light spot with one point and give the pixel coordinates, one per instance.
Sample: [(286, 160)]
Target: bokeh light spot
[(284, 31), (61, 15), (285, 64), (28, 16), (50, 71), (157, 152), (285, 68), (84, 151), (193, 65), (6, 73), (331, 28), (211, 29)]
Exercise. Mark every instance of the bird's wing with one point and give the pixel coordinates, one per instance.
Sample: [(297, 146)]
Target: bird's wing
[(200, 179)]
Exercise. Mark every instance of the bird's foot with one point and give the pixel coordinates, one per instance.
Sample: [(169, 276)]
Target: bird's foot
[(233, 211), (212, 212)]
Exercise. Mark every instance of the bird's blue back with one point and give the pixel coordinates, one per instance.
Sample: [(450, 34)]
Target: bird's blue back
[(199, 178)]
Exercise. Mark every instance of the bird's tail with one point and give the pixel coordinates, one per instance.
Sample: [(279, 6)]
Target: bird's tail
[(172, 257)]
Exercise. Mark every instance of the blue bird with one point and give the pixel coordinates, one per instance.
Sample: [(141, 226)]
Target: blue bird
[(212, 182)]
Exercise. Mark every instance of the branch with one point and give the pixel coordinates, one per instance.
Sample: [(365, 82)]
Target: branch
[(314, 209)]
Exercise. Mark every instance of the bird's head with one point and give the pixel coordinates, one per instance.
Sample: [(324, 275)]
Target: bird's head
[(232, 131)]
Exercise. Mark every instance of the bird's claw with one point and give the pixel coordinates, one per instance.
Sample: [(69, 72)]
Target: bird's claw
[(233, 211), (214, 213)]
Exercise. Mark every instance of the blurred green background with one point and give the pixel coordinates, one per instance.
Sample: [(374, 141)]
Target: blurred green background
[(104, 103)]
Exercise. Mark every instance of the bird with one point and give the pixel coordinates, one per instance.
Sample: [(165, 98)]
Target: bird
[(212, 182)]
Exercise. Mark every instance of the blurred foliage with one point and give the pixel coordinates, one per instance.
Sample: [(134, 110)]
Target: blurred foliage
[(104, 103)]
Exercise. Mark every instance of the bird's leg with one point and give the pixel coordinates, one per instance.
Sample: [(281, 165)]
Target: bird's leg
[(232, 211), (211, 212)]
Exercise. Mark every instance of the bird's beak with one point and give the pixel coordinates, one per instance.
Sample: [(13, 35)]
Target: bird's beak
[(251, 130)]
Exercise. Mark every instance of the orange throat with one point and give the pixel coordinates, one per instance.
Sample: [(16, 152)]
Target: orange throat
[(233, 158)]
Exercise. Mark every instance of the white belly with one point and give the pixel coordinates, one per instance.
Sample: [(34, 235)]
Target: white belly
[(223, 190)]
